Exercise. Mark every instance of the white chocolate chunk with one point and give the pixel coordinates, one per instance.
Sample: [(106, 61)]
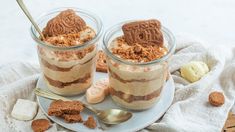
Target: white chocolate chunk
[(24, 110), (103, 84), (97, 93), (194, 70)]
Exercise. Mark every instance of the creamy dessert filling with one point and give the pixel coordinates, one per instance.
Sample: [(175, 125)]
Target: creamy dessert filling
[(155, 77), (76, 72), (114, 75), (68, 71), (63, 69), (54, 67), (131, 98), (133, 85)]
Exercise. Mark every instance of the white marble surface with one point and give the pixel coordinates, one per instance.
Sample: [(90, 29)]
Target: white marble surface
[(210, 20)]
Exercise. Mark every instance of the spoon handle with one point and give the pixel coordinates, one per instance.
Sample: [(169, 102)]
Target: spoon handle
[(26, 12), (49, 95)]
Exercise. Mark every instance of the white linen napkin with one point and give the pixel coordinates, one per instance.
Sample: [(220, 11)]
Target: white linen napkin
[(190, 110)]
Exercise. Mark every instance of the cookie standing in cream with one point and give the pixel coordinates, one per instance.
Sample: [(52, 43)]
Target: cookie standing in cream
[(68, 54), (133, 83)]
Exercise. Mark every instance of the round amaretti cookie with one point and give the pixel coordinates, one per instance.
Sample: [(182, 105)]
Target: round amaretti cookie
[(216, 98), (40, 125)]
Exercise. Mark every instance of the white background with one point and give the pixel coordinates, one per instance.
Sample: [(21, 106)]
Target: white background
[(209, 20)]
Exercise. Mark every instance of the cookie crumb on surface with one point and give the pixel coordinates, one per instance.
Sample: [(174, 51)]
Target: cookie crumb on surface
[(216, 98), (40, 125), (90, 123)]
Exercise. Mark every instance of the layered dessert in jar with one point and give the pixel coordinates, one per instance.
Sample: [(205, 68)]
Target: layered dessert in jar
[(67, 55), (137, 57)]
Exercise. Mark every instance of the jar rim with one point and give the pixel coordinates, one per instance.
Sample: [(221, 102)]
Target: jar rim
[(118, 26), (91, 15)]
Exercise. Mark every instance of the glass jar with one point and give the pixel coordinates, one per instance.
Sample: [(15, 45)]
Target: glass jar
[(136, 86), (68, 70)]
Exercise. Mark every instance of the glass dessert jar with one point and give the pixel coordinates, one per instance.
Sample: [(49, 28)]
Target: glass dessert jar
[(69, 70), (136, 85)]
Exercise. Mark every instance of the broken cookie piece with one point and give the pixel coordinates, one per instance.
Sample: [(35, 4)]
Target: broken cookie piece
[(40, 125), (216, 98), (90, 123), (101, 65), (60, 107), (143, 32), (72, 118)]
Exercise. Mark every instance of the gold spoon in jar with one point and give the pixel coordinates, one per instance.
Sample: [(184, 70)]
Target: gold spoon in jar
[(109, 116), (26, 12)]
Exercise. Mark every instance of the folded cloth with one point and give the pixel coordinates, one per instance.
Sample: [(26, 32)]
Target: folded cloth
[(190, 110)]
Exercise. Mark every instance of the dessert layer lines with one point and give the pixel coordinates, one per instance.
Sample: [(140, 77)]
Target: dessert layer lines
[(137, 105), (68, 76), (132, 86), (67, 71), (132, 98)]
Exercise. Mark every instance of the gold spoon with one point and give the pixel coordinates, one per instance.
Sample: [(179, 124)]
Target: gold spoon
[(109, 116), (26, 12)]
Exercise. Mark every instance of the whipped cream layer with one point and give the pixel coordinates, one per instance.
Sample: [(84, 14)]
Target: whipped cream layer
[(73, 88)]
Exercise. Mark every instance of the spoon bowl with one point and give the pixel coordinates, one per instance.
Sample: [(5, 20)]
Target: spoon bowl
[(114, 116)]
